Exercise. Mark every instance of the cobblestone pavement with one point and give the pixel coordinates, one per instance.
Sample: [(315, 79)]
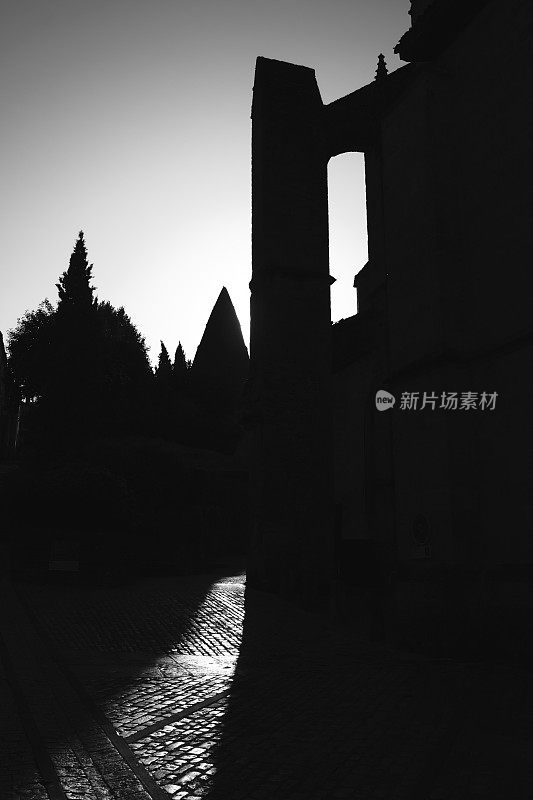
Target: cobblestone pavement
[(19, 776), (167, 688)]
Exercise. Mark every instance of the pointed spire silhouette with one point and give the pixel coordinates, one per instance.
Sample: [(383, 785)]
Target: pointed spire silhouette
[(382, 70), (221, 362)]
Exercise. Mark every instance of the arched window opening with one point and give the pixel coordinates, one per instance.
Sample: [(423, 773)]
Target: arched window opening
[(348, 244)]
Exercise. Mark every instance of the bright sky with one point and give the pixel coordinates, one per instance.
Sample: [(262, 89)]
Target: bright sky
[(130, 119)]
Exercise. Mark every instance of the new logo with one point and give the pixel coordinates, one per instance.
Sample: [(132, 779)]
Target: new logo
[(384, 400)]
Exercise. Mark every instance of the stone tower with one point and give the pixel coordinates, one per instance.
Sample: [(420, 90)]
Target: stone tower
[(291, 550)]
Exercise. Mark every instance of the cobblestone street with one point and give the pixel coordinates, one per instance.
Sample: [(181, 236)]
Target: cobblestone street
[(158, 690)]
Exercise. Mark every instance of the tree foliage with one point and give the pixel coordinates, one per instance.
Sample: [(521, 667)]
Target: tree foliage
[(163, 371), (122, 348), (180, 368), (84, 363), (74, 286), (30, 346)]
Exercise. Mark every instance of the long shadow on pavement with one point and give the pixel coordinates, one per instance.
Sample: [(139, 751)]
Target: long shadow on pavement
[(313, 714)]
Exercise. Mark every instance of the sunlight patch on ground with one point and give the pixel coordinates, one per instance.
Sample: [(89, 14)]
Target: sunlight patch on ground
[(179, 749)]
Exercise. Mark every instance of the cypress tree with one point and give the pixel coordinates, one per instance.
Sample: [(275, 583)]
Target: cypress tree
[(180, 368), (71, 403), (74, 287), (163, 371), (76, 329), (84, 363)]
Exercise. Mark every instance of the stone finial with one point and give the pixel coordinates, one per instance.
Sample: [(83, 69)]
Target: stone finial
[(382, 70)]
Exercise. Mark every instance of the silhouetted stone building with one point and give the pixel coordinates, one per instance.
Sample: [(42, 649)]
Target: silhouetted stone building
[(429, 507)]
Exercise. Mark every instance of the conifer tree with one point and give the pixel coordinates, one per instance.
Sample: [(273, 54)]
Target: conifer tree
[(74, 287), (163, 371), (76, 371), (180, 367), (83, 364)]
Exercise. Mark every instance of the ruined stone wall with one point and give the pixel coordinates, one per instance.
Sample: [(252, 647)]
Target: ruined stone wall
[(289, 338), (457, 167)]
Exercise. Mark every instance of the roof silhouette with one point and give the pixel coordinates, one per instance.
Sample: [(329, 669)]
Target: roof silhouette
[(221, 362)]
